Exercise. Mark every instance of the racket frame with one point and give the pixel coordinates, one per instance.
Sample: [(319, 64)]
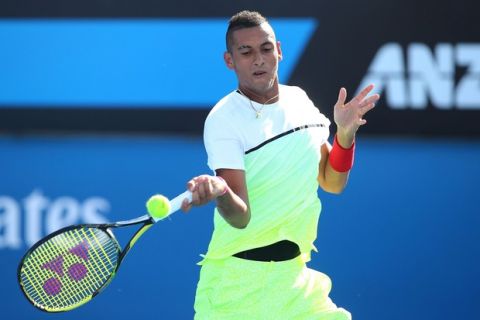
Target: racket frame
[(147, 221)]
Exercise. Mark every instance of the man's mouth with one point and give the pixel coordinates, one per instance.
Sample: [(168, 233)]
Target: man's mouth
[(259, 73)]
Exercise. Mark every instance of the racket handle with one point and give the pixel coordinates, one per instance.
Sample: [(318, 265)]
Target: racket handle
[(176, 203)]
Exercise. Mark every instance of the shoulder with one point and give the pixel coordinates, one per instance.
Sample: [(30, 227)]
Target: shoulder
[(224, 108), (224, 117), (292, 91), (299, 98)]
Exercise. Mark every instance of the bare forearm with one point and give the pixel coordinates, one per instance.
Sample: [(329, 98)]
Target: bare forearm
[(336, 162), (345, 138), (334, 181), (229, 191), (233, 209), (331, 178)]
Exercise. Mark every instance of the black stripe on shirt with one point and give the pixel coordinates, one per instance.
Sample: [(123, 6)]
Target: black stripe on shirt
[(284, 134)]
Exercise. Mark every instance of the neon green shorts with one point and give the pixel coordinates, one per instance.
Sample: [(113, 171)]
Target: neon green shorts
[(235, 288)]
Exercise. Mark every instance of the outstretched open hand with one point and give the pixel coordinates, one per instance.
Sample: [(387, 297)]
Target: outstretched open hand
[(349, 116)]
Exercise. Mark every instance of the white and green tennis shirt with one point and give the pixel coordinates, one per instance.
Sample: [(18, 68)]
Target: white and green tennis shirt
[(280, 153)]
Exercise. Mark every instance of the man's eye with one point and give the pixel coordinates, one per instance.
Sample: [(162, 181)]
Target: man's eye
[(268, 49), (245, 53)]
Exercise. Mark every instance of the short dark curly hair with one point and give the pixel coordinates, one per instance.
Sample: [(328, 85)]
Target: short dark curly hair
[(241, 20)]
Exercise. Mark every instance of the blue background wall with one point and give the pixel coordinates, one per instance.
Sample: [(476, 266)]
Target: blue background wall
[(102, 105), (402, 242)]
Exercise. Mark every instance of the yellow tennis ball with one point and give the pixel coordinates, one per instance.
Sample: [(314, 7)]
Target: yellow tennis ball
[(158, 206)]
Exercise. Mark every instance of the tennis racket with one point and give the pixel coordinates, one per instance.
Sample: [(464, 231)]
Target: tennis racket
[(69, 267)]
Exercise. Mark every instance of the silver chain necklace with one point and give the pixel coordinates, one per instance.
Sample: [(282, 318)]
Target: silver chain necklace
[(258, 112)]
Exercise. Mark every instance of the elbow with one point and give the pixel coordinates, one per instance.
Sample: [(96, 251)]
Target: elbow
[(239, 220), (333, 188), (242, 223), (239, 226), (334, 184), (337, 190)]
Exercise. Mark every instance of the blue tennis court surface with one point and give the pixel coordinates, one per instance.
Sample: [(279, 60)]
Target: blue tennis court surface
[(401, 242)]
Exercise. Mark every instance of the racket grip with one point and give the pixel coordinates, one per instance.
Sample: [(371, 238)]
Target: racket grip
[(176, 203)]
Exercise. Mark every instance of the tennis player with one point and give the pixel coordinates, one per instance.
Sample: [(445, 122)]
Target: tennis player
[(267, 144)]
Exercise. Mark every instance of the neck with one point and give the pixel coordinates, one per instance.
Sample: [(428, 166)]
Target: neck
[(270, 96)]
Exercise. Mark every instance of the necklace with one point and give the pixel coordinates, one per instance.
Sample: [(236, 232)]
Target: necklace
[(258, 112)]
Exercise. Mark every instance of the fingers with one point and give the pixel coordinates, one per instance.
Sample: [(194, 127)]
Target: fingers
[(363, 111), (366, 108), (368, 104), (372, 99), (342, 96), (361, 122), (202, 191), (364, 103), (186, 205), (350, 116), (359, 98)]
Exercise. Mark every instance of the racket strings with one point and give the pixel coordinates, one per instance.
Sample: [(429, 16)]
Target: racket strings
[(67, 288), (67, 269)]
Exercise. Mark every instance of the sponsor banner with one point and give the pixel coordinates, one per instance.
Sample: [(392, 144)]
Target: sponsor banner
[(124, 63), (24, 222), (446, 77), (49, 183), (384, 231), (427, 70)]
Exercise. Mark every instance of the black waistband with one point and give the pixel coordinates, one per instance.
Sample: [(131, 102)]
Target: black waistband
[(278, 251)]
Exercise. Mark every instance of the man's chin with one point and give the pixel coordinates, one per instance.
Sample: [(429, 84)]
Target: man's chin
[(264, 86)]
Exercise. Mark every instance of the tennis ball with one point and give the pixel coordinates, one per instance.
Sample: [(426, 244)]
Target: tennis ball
[(158, 206)]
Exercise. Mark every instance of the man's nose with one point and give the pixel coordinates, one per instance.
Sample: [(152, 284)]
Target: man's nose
[(259, 59)]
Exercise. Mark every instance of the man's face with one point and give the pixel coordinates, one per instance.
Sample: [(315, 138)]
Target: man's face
[(254, 56)]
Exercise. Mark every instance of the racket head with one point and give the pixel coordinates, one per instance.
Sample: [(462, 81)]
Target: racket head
[(69, 267)]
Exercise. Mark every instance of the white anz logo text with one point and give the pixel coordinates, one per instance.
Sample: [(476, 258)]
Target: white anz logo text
[(421, 75)]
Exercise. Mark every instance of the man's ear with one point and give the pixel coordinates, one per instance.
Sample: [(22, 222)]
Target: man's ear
[(227, 57), (279, 49)]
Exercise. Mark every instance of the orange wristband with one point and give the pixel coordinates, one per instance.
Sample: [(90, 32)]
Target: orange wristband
[(341, 159)]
